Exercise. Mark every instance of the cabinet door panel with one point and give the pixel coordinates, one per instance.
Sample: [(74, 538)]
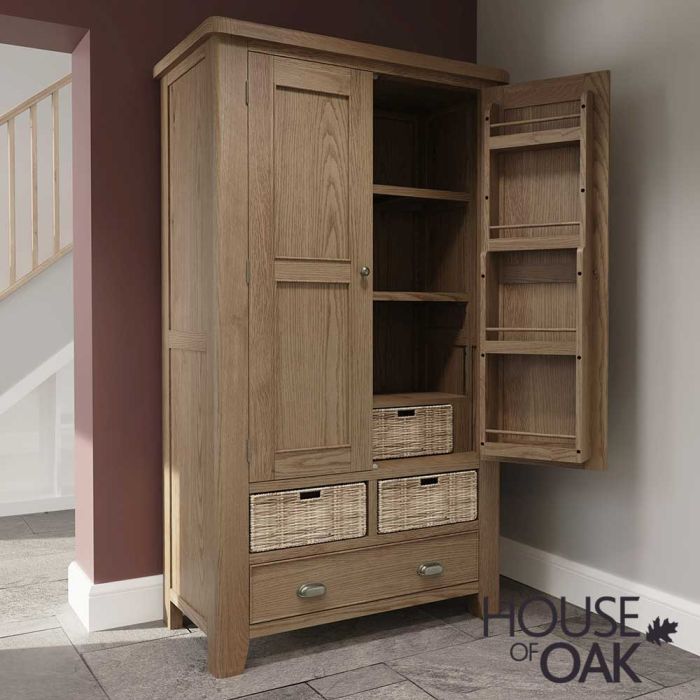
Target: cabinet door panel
[(544, 271), (310, 233)]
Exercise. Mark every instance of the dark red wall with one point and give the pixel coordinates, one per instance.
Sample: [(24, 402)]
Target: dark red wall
[(117, 258)]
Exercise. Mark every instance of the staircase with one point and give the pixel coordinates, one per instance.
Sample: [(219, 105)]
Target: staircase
[(36, 308)]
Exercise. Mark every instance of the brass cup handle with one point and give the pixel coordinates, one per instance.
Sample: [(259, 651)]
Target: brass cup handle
[(364, 271), (311, 590), (432, 568)]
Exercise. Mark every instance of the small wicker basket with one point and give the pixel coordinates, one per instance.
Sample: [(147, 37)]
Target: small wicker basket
[(411, 431), (281, 519), (425, 501)]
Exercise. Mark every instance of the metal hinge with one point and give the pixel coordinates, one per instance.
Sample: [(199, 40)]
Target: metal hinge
[(247, 271), (246, 92)]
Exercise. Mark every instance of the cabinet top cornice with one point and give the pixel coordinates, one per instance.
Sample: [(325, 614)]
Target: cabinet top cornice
[(380, 59)]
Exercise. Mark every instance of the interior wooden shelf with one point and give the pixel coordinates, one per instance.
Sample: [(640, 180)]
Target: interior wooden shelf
[(420, 398), (420, 193), (455, 461), (528, 347), (536, 243), (422, 296), (535, 139)]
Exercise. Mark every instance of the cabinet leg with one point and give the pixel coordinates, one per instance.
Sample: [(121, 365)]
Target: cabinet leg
[(489, 533), (173, 616), (227, 654)]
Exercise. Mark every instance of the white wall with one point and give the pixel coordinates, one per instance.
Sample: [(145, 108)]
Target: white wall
[(640, 519), (36, 322)]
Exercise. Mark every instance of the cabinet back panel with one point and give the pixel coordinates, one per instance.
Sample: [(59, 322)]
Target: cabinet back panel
[(311, 174), (395, 150), (531, 393), (533, 289), (422, 247), (537, 187)]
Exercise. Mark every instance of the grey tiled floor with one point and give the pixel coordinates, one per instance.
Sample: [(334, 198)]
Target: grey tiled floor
[(435, 651)]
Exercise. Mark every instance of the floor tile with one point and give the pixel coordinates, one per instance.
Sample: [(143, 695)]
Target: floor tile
[(14, 527), (355, 681), (398, 691), (666, 664), (85, 641), (60, 522), (484, 669), (176, 667), (10, 629), (44, 665), (32, 602), (535, 613), (300, 691), (36, 546), (29, 570), (685, 691)]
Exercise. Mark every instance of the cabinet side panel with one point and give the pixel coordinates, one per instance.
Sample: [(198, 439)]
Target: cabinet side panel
[(189, 335)]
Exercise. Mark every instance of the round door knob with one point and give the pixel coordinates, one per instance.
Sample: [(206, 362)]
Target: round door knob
[(364, 271)]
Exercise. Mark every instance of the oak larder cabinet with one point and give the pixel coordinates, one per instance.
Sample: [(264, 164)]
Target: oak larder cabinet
[(383, 274)]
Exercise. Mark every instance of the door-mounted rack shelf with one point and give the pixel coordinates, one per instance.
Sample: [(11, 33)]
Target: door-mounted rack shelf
[(528, 347), (541, 243), (535, 139), (535, 274)]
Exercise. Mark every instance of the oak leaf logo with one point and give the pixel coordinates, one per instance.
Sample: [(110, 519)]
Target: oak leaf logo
[(658, 631)]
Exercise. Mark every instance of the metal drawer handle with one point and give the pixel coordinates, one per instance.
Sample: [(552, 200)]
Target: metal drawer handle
[(311, 590), (433, 568)]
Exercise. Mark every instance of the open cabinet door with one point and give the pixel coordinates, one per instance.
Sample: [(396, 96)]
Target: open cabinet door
[(544, 271)]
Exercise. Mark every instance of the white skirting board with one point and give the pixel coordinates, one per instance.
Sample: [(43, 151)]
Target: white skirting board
[(37, 505), (103, 606), (562, 577)]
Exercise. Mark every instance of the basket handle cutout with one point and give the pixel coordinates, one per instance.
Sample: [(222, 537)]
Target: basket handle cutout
[(429, 481), (304, 495), (406, 412)]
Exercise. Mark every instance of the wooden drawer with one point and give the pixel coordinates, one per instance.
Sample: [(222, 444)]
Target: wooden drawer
[(361, 575)]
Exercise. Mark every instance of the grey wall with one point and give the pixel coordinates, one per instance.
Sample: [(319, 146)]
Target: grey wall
[(639, 520)]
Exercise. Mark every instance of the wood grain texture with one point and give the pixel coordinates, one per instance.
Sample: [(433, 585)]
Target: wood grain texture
[(310, 234), (345, 50), (420, 193), (489, 538), (533, 139), (172, 614), (360, 609), (528, 347), (228, 631), (360, 576), (549, 194), (189, 257), (421, 296)]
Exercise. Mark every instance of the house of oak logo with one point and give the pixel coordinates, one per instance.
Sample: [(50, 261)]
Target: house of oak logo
[(582, 662)]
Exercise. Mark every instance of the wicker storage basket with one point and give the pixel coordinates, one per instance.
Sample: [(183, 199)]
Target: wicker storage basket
[(306, 516), (411, 431), (426, 501)]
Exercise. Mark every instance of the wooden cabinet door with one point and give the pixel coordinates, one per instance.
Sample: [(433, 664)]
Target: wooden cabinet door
[(544, 271), (310, 157)]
